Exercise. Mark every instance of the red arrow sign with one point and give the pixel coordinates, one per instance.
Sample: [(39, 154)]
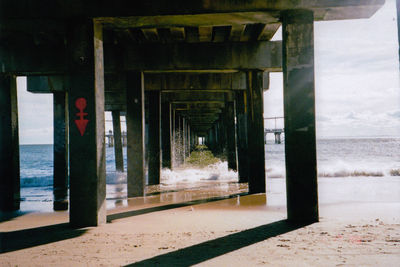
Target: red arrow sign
[(80, 104)]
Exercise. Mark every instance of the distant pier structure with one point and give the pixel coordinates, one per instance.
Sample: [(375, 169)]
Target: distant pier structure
[(276, 131), (110, 139), (110, 136), (180, 71)]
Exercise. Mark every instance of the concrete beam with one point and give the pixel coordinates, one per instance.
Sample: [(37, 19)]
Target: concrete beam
[(195, 81), (262, 55), (200, 105), (177, 12), (26, 59), (199, 96), (46, 84), (166, 82)]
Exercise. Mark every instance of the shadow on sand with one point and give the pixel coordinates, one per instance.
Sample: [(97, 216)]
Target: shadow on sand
[(131, 213), (9, 215), (27, 238), (210, 249)]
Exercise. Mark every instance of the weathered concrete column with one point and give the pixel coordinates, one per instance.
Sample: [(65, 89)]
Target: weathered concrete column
[(86, 124), (277, 138), (178, 149), (188, 138), (207, 140), (255, 131), (182, 124), (60, 151), (398, 24), (119, 159), (184, 139), (220, 135), (299, 110), (166, 134), (124, 142), (173, 137), (154, 137), (241, 133), (231, 135), (216, 137), (9, 144), (135, 133)]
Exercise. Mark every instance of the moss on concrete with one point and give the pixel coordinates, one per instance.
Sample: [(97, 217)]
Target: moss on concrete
[(201, 157)]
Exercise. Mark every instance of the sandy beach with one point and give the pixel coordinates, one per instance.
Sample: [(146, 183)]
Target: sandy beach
[(206, 228)]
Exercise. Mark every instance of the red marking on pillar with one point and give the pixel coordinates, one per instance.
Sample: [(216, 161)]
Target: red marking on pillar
[(81, 123)]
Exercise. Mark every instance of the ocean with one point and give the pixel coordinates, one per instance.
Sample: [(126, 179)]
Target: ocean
[(351, 165)]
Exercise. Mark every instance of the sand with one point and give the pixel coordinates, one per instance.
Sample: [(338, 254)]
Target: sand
[(174, 229)]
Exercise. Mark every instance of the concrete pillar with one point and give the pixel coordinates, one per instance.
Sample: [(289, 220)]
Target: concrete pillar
[(189, 140), (214, 132), (220, 135), (277, 138), (231, 135), (154, 137), (135, 134), (299, 110), (173, 137), (255, 131), (178, 140), (119, 159), (110, 139), (9, 144), (166, 134), (241, 133), (398, 24), (184, 138), (60, 151), (124, 138), (86, 124)]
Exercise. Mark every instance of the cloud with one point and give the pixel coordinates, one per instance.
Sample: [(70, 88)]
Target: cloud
[(39, 135), (394, 114)]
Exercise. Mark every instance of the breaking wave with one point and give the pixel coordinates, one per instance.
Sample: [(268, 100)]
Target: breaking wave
[(279, 173), (36, 181)]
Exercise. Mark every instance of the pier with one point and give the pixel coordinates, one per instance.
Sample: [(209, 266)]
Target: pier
[(277, 132), (110, 136), (180, 71)]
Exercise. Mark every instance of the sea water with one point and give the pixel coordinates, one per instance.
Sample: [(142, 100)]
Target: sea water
[(344, 164)]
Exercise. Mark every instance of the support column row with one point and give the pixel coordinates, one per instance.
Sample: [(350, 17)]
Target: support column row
[(9, 145)]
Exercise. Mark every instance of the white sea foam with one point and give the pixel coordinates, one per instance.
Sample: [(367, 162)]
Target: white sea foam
[(215, 172)]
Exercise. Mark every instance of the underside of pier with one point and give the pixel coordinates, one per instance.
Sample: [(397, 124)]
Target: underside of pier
[(193, 68)]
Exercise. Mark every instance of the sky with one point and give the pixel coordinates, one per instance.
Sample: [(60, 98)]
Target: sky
[(356, 77), (356, 83)]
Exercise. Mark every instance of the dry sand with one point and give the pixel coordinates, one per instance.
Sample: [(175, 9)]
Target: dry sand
[(237, 231)]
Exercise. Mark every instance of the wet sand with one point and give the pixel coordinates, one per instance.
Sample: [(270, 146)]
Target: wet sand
[(180, 228)]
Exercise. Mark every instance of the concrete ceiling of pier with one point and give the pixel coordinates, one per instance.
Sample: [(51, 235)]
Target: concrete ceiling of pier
[(151, 22)]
